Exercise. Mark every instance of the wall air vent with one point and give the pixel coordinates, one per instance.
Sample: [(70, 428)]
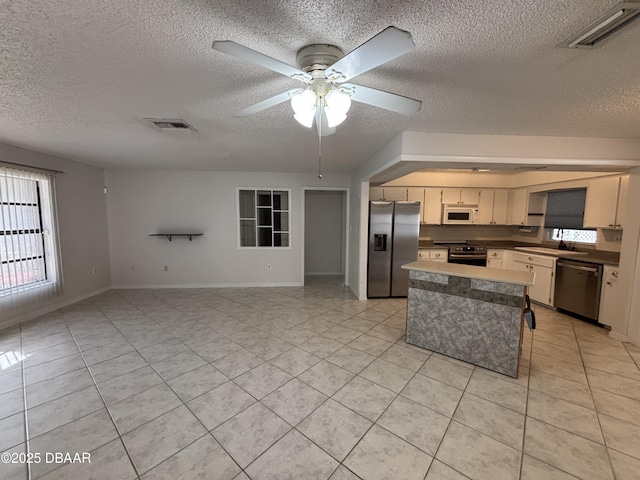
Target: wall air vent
[(603, 27), (174, 124)]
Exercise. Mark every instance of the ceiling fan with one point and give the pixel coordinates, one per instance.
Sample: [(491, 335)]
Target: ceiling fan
[(325, 71)]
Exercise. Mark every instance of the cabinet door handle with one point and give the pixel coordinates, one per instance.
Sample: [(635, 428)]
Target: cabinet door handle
[(611, 225)]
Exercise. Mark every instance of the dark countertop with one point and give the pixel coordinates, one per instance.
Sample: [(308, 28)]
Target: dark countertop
[(595, 256)]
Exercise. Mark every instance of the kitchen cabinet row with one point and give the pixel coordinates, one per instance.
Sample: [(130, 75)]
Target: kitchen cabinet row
[(605, 205), (544, 267)]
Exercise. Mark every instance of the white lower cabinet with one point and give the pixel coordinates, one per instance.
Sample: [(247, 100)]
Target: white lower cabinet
[(609, 308), (494, 258), (434, 254), (544, 267)]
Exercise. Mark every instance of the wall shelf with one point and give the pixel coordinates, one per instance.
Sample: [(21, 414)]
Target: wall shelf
[(171, 235)]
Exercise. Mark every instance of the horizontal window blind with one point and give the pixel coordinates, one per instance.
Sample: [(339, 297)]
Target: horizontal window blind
[(565, 209)]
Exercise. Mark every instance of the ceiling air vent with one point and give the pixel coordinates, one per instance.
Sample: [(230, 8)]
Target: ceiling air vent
[(603, 27), (170, 124)]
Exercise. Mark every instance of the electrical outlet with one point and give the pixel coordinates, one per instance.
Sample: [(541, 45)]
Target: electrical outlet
[(94, 270), (268, 266), (166, 268)]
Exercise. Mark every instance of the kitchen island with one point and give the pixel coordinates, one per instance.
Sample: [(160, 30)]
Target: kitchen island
[(466, 312)]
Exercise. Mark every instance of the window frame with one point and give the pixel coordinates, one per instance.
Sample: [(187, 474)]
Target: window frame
[(593, 244), (46, 246), (239, 219)]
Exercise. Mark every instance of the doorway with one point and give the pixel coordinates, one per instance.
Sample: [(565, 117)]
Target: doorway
[(325, 232)]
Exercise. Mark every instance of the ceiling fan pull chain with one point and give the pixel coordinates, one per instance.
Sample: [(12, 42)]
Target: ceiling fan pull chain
[(319, 125)]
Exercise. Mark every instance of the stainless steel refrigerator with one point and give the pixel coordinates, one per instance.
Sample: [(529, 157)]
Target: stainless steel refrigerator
[(394, 229)]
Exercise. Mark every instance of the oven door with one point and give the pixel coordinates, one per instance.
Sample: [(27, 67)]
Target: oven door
[(466, 259)]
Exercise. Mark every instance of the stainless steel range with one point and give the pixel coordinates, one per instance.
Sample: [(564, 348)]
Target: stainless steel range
[(462, 252)]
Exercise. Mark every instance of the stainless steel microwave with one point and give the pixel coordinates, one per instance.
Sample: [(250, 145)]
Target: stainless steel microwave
[(459, 215)]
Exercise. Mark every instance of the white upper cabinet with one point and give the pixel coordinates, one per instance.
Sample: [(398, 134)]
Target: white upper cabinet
[(605, 206), (390, 194), (526, 209), (430, 204), (493, 206), (417, 195), (460, 196), (433, 206)]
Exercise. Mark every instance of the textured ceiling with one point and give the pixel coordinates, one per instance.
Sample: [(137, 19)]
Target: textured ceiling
[(77, 77)]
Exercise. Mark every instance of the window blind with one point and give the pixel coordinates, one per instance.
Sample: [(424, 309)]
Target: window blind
[(565, 209), (29, 256)]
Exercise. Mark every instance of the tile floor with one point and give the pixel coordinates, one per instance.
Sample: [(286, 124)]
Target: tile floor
[(305, 383)]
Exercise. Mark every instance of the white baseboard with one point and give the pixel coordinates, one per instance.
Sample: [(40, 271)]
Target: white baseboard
[(51, 308), (334, 274), (208, 285)]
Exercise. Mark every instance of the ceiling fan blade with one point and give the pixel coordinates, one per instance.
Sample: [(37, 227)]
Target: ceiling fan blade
[(384, 47), (257, 58), (379, 98), (268, 103)]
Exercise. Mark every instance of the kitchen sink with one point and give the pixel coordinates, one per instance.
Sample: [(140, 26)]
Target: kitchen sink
[(551, 251)]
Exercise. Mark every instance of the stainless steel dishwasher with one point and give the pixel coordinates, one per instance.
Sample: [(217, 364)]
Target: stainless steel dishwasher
[(578, 287)]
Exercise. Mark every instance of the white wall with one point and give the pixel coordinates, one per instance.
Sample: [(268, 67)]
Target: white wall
[(144, 202), (629, 292), (324, 235), (82, 220)]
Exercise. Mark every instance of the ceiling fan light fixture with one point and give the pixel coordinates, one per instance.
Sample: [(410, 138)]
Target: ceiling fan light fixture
[(339, 102), (337, 105), (305, 118), (304, 102)]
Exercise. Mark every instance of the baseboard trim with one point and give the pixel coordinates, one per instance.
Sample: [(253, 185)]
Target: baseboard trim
[(333, 274), (207, 285), (51, 308)]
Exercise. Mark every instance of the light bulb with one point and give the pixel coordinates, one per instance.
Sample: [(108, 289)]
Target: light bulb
[(338, 101), (306, 118), (334, 118), (304, 102)]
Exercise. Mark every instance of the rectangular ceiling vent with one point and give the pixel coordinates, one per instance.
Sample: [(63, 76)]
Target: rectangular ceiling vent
[(170, 124), (605, 26)]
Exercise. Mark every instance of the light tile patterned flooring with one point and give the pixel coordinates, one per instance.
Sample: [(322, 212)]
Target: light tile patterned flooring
[(306, 383)]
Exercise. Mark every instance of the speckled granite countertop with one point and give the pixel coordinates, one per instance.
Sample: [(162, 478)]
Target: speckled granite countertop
[(470, 271), (594, 256)]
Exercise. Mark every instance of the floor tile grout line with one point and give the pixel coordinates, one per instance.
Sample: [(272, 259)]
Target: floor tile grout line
[(26, 414), (604, 440), (526, 403), (276, 337), (135, 468)]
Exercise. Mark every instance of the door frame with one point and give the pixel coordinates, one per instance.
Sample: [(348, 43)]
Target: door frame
[(346, 191)]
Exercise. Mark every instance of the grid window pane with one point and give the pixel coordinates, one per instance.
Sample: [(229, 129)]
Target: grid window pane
[(247, 204), (247, 233), (264, 198), (265, 237), (280, 239), (281, 221), (280, 200), (578, 236), (264, 217)]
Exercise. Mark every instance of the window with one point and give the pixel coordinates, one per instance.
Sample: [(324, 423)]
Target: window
[(263, 217), (28, 258), (578, 236)]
